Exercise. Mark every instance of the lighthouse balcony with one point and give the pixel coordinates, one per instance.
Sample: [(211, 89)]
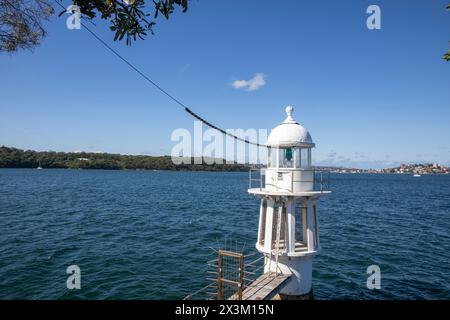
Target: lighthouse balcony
[(289, 182), (300, 249)]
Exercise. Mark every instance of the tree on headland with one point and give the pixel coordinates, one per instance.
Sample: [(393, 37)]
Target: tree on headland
[(21, 21), (129, 18), (16, 158)]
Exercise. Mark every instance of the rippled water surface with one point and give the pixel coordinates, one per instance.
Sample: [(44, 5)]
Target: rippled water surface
[(146, 234)]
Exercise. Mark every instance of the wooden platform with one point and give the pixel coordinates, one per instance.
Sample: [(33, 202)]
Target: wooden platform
[(265, 287)]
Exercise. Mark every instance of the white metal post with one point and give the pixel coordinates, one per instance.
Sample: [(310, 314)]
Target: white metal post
[(304, 222), (269, 224), (310, 226), (316, 224), (290, 232), (262, 220)]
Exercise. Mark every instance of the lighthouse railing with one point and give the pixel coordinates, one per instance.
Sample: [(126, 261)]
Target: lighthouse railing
[(322, 180), (259, 179)]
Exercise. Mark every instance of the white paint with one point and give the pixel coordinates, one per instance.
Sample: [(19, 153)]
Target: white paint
[(316, 222), (310, 227), (289, 133), (285, 186), (304, 202), (269, 225), (295, 257), (300, 282), (290, 219), (317, 194), (262, 219), (293, 180)]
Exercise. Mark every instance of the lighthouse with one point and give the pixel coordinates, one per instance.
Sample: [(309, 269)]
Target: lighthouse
[(289, 190)]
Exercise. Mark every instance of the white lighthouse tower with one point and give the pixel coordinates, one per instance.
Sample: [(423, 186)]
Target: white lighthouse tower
[(288, 231)]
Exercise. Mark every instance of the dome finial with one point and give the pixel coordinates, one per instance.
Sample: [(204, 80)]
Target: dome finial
[(289, 110)]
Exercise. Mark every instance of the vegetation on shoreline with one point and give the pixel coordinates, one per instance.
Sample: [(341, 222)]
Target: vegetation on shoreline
[(17, 158)]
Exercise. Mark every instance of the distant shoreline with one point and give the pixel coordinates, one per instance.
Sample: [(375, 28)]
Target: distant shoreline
[(93, 169), (212, 171), (17, 158), (13, 158), (215, 171)]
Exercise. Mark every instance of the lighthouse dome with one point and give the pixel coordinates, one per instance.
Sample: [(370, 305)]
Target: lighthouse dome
[(290, 133)]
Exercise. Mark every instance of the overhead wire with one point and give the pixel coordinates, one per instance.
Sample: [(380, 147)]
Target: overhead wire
[(162, 90)]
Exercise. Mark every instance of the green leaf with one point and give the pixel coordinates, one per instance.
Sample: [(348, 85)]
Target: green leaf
[(447, 56)]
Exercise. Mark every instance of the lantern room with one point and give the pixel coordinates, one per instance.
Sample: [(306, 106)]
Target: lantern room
[(289, 157)]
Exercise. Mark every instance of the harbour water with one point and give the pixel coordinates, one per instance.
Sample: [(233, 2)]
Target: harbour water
[(147, 234)]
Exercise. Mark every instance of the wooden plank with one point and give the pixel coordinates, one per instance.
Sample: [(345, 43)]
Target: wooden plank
[(270, 289), (265, 287), (254, 287)]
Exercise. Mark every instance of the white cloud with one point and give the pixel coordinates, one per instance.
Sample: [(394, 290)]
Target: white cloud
[(253, 84), (185, 67)]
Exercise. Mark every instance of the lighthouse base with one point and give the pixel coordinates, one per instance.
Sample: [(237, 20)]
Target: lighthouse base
[(300, 268), (308, 296)]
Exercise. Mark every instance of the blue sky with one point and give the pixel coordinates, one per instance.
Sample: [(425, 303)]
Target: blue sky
[(370, 98)]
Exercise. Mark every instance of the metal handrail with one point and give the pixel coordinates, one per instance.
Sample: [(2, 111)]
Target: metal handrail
[(324, 183), (202, 290), (250, 178)]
